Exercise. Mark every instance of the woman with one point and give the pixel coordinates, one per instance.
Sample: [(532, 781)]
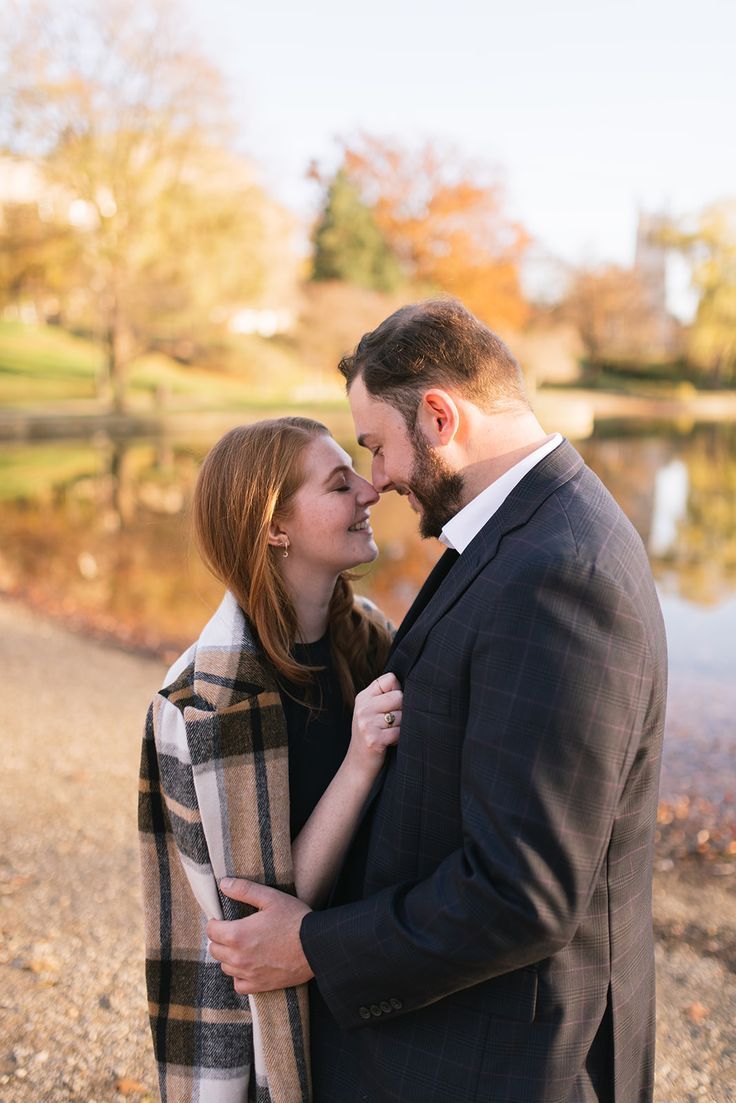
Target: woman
[(250, 766)]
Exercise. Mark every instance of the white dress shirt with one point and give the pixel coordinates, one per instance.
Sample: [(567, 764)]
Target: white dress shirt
[(461, 529)]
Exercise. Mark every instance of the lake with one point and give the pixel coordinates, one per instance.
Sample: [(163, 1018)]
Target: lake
[(96, 531)]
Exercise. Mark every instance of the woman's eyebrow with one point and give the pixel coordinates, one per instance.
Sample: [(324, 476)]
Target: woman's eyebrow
[(339, 470)]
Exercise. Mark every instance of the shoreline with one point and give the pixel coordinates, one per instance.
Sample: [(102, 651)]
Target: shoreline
[(572, 410), (87, 627)]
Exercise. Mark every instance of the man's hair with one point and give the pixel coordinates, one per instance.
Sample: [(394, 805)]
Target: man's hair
[(435, 344)]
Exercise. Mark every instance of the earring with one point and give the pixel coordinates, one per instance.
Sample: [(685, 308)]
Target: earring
[(286, 549)]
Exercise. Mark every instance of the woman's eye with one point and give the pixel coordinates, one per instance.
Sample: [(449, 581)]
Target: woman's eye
[(341, 489)]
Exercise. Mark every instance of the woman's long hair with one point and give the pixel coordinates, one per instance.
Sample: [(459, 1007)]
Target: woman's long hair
[(248, 479)]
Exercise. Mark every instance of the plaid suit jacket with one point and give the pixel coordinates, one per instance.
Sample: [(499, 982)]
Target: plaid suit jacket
[(503, 947)]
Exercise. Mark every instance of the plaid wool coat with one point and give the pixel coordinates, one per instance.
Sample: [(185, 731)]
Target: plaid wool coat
[(214, 802)]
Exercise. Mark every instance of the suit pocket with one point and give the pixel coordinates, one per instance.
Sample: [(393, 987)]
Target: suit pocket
[(510, 996), (421, 696)]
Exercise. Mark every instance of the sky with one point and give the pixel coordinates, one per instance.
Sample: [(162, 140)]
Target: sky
[(588, 110)]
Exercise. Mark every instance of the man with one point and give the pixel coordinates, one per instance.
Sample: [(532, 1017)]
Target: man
[(491, 935)]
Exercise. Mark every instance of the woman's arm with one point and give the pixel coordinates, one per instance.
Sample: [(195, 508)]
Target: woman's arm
[(321, 844)]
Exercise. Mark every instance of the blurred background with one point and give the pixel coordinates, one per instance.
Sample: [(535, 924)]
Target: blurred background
[(204, 205)]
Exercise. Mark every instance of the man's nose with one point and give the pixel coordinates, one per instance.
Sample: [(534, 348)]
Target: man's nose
[(380, 480)]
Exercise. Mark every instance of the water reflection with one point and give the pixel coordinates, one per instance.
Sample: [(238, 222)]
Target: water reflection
[(98, 529), (679, 490), (669, 508)]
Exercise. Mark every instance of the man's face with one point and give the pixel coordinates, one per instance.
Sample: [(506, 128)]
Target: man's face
[(405, 462)]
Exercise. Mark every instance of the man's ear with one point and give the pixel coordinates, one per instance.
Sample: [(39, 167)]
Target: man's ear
[(438, 417)]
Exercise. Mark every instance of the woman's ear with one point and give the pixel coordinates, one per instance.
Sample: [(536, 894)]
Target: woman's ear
[(277, 538), (438, 417)]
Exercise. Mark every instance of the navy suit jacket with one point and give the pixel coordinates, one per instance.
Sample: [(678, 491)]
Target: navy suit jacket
[(502, 949)]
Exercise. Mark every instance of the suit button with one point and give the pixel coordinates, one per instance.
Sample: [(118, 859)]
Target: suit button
[(396, 1004), (386, 1006), (364, 1012), (376, 1010)]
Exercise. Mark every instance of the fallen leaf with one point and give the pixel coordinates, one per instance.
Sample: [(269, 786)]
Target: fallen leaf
[(126, 1086), (696, 1012), (43, 965)]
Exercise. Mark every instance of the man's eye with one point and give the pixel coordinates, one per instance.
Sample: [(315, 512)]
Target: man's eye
[(377, 451), (342, 488)]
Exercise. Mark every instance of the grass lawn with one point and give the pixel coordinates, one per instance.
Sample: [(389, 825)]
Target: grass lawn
[(46, 366), (40, 365)]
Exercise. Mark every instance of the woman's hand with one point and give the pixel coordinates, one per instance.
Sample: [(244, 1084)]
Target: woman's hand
[(320, 846), (376, 723)]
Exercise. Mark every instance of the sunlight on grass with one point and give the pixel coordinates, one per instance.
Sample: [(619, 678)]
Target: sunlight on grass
[(46, 351), (44, 365)]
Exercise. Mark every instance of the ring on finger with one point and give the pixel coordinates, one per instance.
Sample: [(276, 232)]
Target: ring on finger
[(390, 718)]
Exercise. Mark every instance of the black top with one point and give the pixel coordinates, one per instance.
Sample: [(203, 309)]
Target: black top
[(318, 739)]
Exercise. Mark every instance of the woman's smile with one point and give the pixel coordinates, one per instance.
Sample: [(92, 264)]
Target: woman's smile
[(362, 526)]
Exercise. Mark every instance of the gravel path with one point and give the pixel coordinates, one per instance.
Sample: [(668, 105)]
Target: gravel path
[(72, 1003), (71, 990)]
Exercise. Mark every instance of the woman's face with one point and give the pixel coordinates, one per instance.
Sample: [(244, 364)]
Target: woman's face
[(328, 524)]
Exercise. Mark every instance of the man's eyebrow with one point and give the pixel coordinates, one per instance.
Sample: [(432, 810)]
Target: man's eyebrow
[(363, 440)]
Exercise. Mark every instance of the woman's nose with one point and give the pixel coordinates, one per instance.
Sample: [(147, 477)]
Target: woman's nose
[(367, 493)]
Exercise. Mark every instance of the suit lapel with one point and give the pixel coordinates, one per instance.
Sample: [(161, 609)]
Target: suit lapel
[(550, 473), (430, 586)]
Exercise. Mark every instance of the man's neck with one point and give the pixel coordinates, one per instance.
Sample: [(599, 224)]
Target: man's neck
[(508, 450)]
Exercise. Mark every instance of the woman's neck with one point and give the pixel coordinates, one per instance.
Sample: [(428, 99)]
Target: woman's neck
[(311, 601)]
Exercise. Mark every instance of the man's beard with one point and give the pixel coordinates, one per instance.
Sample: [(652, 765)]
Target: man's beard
[(437, 489)]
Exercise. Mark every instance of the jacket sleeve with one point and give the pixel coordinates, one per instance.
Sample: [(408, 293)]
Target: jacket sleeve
[(202, 1030), (558, 685)]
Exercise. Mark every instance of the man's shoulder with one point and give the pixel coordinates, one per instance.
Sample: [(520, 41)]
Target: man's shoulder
[(580, 546), (601, 528), (583, 514), (578, 531)]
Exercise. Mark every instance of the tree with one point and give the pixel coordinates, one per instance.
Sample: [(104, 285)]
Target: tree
[(348, 244), (445, 221), (129, 126), (613, 314), (711, 248), (37, 256)]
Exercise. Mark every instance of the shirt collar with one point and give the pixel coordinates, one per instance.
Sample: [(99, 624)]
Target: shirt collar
[(461, 529)]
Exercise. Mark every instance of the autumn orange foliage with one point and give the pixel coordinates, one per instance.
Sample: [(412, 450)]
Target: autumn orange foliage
[(445, 221)]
